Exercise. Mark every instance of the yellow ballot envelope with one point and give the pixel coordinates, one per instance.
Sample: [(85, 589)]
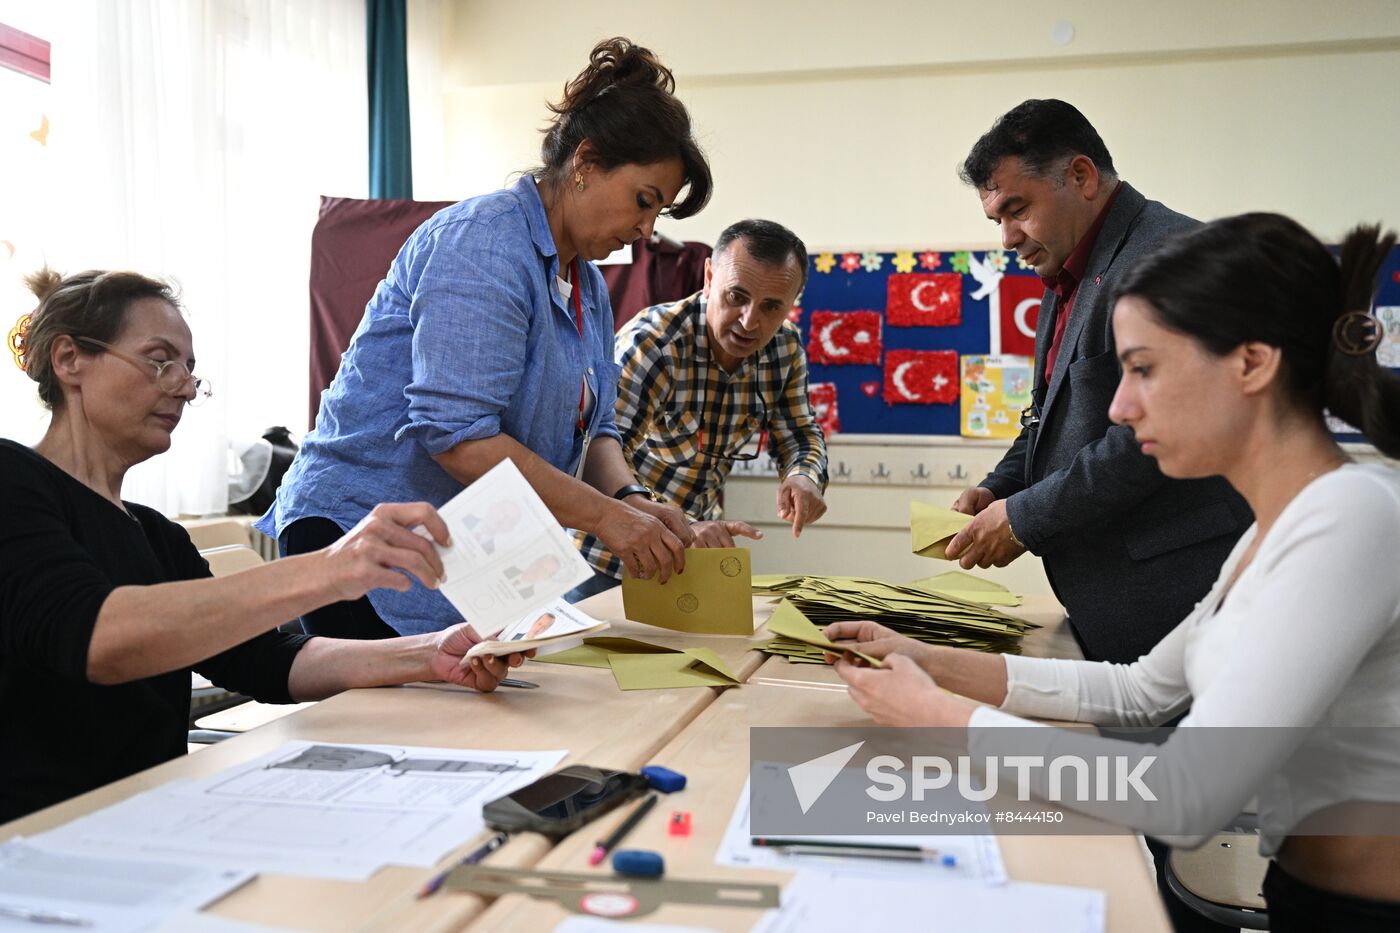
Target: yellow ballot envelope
[(711, 597), (787, 621), (932, 528), (692, 667)]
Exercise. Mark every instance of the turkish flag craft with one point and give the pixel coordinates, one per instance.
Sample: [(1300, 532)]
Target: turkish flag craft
[(921, 377), (823, 396), (845, 338), (1019, 299), (924, 299)]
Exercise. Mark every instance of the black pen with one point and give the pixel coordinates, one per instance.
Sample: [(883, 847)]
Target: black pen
[(846, 849), (471, 858), (605, 846)]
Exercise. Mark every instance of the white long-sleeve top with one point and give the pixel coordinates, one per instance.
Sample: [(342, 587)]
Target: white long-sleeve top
[(1306, 641)]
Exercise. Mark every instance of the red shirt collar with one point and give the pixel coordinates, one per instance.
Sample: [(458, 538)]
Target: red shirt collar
[(1066, 282)]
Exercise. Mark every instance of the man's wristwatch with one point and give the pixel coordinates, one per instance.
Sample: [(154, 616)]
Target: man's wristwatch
[(632, 489)]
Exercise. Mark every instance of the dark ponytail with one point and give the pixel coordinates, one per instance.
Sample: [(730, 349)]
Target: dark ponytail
[(624, 104), (1359, 390), (1263, 277)]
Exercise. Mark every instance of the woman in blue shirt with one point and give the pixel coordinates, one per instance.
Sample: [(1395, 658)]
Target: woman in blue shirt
[(491, 337)]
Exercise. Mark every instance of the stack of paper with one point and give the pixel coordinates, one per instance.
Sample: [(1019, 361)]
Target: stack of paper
[(638, 665), (927, 611)]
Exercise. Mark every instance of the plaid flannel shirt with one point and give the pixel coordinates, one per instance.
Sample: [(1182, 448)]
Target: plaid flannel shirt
[(674, 401)]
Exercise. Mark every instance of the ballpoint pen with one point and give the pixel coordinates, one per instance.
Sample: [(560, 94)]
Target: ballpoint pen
[(839, 849), (471, 858), (43, 917)]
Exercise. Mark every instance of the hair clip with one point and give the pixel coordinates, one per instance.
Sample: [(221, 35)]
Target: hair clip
[(1358, 333), (16, 340)]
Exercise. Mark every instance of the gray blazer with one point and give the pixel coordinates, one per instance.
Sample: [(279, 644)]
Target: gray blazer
[(1128, 551)]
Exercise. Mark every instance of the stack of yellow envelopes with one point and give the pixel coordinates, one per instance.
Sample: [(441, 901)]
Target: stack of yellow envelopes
[(950, 609)]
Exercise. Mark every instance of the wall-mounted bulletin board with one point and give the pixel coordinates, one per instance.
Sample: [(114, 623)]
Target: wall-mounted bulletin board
[(888, 335)]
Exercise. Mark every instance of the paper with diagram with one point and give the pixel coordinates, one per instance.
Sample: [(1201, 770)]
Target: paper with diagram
[(330, 811)]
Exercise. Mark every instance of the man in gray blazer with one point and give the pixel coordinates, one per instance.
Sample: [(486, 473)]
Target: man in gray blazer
[(1128, 551)]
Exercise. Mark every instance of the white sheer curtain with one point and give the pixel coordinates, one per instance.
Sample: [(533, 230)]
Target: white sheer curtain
[(192, 139)]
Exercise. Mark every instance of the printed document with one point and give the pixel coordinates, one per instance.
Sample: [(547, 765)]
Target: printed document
[(330, 811), (817, 900), (973, 857), (44, 889)]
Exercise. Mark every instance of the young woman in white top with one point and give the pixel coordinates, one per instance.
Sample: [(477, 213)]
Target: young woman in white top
[(1233, 339)]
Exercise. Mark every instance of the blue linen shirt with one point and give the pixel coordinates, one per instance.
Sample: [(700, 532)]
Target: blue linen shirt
[(467, 337)]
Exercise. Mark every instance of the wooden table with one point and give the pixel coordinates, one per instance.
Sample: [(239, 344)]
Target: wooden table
[(713, 753), (703, 731), (575, 708)]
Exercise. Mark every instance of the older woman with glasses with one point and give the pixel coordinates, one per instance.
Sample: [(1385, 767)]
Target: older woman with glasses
[(106, 606)]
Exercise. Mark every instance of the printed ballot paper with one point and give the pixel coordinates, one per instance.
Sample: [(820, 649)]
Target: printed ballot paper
[(509, 558), (554, 625)]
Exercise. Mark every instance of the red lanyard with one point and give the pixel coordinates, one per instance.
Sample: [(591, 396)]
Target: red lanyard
[(578, 319)]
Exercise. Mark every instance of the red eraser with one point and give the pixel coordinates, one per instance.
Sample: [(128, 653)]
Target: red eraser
[(679, 824)]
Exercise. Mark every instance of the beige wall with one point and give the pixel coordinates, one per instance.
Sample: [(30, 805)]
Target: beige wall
[(847, 120)]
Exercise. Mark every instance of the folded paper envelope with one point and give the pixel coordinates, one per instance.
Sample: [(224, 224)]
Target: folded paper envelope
[(594, 652), (711, 597), (966, 586), (933, 528), (789, 622), (692, 667)]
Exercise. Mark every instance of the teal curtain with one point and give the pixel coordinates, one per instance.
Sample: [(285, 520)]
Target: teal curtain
[(390, 149)]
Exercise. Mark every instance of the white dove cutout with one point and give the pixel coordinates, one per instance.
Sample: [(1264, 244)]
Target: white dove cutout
[(988, 277), (988, 283)]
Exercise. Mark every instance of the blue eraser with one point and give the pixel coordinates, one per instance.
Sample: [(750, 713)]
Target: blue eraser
[(949, 861), (638, 863), (663, 779)]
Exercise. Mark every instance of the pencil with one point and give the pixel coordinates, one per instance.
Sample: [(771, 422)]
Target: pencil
[(605, 846)]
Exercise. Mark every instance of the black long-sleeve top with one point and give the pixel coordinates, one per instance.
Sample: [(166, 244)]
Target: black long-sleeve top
[(63, 550)]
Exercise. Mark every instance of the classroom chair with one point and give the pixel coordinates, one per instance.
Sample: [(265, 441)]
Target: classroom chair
[(230, 558), (223, 561), (1222, 879), (209, 533)]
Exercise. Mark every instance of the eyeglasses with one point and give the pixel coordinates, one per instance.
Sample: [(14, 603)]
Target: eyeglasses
[(171, 375), (717, 454)]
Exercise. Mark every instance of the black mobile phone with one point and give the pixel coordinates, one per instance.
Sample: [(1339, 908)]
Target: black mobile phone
[(559, 803)]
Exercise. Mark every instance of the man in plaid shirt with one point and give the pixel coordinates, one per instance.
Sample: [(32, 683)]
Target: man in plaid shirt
[(702, 376)]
